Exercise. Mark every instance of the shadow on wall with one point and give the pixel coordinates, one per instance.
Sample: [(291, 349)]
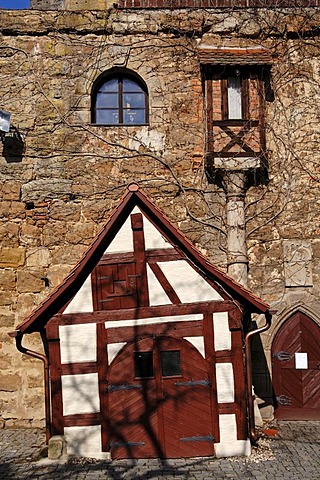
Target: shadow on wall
[(261, 378)]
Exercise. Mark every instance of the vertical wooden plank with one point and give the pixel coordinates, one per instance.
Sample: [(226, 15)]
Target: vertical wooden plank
[(210, 358), (56, 386), (224, 99), (102, 368), (245, 94), (140, 259)]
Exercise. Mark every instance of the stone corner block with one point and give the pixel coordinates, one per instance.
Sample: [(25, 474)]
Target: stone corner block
[(57, 447)]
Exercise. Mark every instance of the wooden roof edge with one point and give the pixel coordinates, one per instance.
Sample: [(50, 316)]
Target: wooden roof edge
[(134, 196), (205, 263)]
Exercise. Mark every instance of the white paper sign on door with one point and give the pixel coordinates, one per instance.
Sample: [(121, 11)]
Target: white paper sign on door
[(301, 360)]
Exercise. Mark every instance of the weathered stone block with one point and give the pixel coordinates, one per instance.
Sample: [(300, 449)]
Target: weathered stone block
[(7, 279), (29, 282), (10, 382), (12, 257), (38, 257), (57, 447)]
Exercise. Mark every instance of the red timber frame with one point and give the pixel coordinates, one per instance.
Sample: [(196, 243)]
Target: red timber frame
[(131, 301), (177, 330)]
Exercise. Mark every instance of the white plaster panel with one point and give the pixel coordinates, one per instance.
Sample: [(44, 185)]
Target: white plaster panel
[(82, 301), (228, 428), (225, 382), (152, 237), (78, 343), (113, 350), (152, 321), (233, 449), (123, 241), (221, 332), (197, 342), (187, 283), (85, 441), (157, 296), (80, 393)]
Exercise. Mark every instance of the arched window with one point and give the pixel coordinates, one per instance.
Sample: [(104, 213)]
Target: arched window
[(120, 98)]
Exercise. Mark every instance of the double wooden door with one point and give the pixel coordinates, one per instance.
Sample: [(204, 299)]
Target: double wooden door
[(296, 369), (159, 401)]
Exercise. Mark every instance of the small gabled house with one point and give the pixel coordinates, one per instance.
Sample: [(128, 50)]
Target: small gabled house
[(145, 344)]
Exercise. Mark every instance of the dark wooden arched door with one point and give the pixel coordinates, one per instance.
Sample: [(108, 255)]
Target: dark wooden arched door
[(296, 369), (159, 399)]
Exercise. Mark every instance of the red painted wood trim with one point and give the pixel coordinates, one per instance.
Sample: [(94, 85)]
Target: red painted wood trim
[(135, 197), (56, 387), (81, 420), (156, 255), (52, 329), (78, 368), (140, 259), (102, 365), (167, 287), (144, 312), (210, 358), (161, 432), (176, 330)]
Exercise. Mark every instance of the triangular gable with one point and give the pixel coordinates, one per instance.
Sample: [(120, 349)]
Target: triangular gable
[(159, 234)]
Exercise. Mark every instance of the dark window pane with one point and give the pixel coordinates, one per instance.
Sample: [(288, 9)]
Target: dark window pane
[(107, 100), (131, 86), (170, 363), (107, 117), (134, 117), (134, 100), (109, 86), (143, 364)]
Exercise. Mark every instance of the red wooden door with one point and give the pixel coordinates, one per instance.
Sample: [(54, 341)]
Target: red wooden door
[(159, 401), (296, 369)]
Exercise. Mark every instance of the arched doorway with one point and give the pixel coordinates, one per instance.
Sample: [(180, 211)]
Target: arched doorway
[(296, 369), (159, 397)]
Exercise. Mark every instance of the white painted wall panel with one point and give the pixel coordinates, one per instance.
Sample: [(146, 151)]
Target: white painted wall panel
[(157, 296), (85, 441), (80, 393), (78, 343), (187, 283), (152, 321), (82, 302), (225, 382), (221, 332), (123, 241), (227, 428), (113, 350), (197, 342)]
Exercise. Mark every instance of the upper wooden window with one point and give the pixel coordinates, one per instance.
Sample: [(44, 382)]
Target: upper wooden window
[(120, 98), (235, 109)]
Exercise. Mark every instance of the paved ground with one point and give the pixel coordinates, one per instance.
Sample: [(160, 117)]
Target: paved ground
[(293, 454)]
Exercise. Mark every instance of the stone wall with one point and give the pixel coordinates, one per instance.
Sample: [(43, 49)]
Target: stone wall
[(61, 176)]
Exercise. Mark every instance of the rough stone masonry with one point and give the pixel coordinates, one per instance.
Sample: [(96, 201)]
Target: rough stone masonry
[(61, 175)]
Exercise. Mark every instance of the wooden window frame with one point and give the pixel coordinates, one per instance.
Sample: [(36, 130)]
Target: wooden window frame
[(120, 75)]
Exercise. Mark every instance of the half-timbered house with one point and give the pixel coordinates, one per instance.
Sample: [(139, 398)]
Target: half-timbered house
[(145, 345)]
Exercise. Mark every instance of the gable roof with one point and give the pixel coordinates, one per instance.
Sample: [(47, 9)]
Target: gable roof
[(74, 280)]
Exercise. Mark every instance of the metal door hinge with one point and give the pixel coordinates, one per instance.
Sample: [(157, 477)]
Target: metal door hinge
[(282, 356), (284, 400)]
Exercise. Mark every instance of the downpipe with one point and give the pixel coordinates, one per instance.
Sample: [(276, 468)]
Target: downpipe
[(252, 432), (18, 337)]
